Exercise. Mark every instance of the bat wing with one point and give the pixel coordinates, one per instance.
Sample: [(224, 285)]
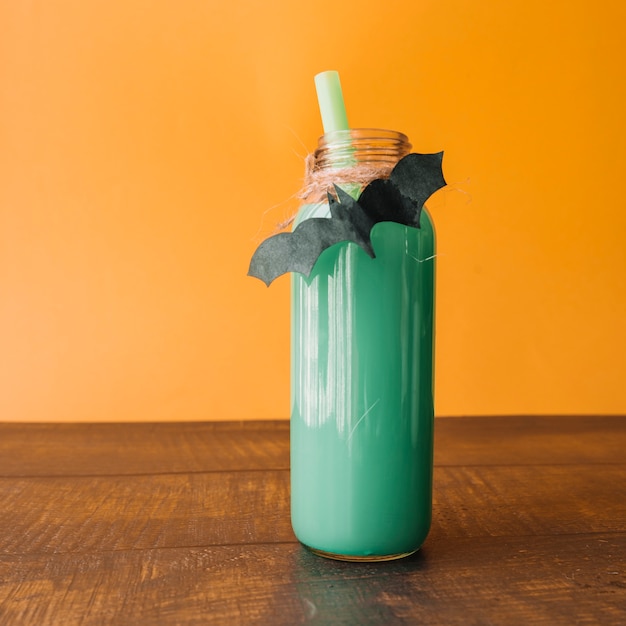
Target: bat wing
[(417, 177), (401, 197), (298, 251)]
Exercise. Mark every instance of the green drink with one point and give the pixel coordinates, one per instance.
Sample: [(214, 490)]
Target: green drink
[(362, 394), (362, 331)]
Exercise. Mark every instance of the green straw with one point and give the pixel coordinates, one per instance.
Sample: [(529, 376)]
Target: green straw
[(330, 99)]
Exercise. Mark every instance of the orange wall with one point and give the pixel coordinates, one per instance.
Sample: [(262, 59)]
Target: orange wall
[(146, 147)]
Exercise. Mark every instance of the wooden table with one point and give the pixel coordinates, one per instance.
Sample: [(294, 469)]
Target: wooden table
[(188, 523)]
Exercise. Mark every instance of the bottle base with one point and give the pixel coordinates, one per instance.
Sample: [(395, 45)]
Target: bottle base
[(369, 558)]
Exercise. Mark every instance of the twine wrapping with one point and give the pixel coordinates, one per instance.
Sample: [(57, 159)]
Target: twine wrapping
[(318, 182)]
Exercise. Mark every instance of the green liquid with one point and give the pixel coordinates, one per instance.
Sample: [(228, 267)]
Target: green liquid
[(362, 394)]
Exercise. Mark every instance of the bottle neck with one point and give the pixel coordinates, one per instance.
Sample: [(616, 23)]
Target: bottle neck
[(356, 157), (358, 146)]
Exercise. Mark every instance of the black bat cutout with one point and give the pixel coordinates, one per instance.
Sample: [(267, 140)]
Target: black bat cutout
[(399, 198)]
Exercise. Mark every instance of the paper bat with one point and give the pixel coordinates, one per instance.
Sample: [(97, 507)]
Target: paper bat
[(399, 198)]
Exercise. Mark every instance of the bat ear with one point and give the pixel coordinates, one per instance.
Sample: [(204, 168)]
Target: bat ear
[(344, 198), (333, 204), (340, 206)]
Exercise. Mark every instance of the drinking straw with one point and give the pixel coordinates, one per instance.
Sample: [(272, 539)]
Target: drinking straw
[(330, 99)]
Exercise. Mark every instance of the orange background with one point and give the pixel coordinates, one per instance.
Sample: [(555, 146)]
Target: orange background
[(147, 147)]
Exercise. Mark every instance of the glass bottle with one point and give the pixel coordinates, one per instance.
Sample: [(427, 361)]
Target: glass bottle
[(362, 333)]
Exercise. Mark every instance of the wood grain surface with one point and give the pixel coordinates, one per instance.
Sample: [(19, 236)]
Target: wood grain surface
[(188, 523)]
